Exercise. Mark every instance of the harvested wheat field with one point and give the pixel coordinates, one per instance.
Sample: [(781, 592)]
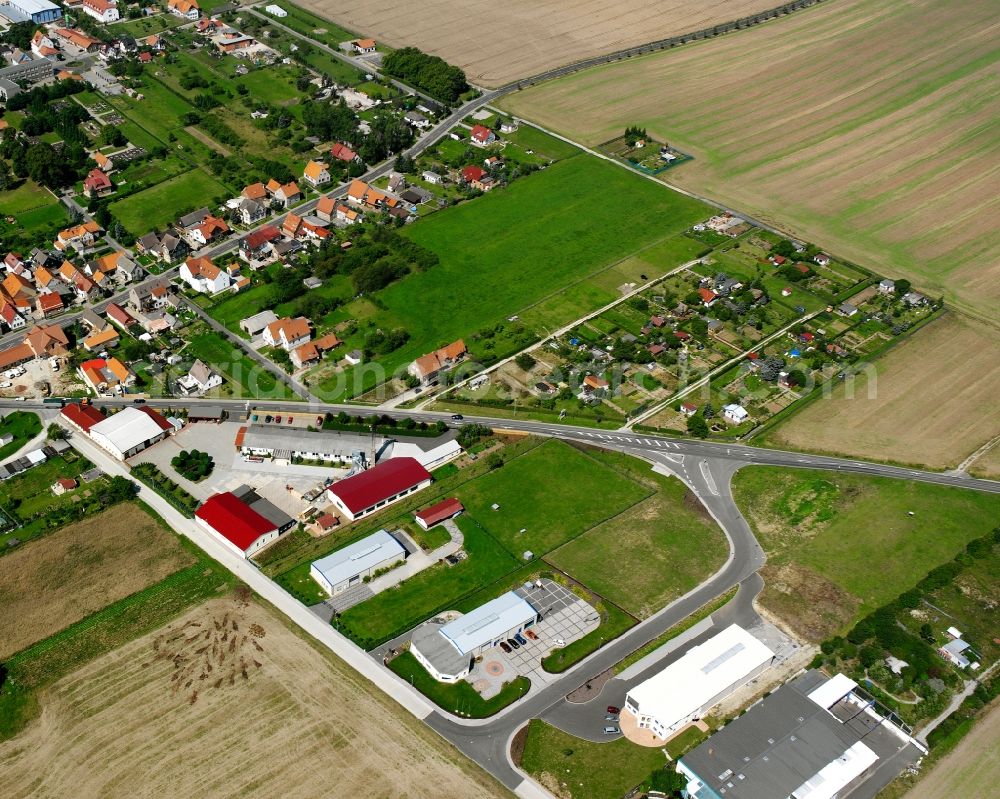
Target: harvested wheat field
[(228, 701), (987, 464), (499, 43), (867, 126), (934, 402), (972, 769), (50, 583)]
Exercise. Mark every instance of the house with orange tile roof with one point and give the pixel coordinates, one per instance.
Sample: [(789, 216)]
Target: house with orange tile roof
[(288, 333), (256, 191), (46, 341), (102, 339), (102, 10), (211, 229), (312, 351), (79, 237), (325, 208), (362, 46), (79, 39), (18, 287), (187, 9), (426, 368), (105, 164), (106, 375), (316, 174), (203, 276), (287, 194), (49, 304)]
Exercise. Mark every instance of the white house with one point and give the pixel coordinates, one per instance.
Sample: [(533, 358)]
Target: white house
[(102, 10), (204, 277), (316, 174), (432, 177), (200, 379), (276, 11), (735, 413), (288, 333), (688, 688), (349, 566)]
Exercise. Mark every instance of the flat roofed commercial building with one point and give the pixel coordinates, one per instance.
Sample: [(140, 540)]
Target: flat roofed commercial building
[(349, 566), (704, 676), (37, 11), (794, 744), (130, 431), (447, 650)]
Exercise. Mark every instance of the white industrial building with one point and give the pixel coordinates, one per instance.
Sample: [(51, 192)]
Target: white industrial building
[(447, 650), (686, 690), (36, 11), (349, 566), (429, 452), (276, 11), (129, 431)]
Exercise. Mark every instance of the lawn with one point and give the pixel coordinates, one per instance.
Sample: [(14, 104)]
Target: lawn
[(28, 498), (531, 138), (156, 207), (23, 425), (26, 197), (524, 244), (666, 544), (839, 546), (435, 589), (459, 698), (244, 378), (547, 497), (583, 769)]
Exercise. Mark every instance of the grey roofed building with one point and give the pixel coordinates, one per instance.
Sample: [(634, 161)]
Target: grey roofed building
[(416, 195), (92, 320), (287, 247), (264, 507), (194, 218), (351, 564), (255, 324), (793, 742), (438, 650)]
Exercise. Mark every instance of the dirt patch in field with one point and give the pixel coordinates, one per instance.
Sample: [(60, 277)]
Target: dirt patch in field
[(805, 602), (866, 126), (207, 140), (971, 769), (497, 43), (50, 583), (932, 402), (299, 724)]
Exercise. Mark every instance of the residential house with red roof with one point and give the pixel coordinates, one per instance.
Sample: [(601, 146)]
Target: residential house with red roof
[(482, 136), (342, 152), (439, 512), (102, 10), (427, 367)]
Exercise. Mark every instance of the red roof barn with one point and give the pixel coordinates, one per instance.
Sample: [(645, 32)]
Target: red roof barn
[(239, 525), (82, 416), (378, 487), (446, 509)]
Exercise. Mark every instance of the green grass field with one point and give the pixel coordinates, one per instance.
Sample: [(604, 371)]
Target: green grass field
[(535, 241), (391, 612), (553, 494), (839, 546), (160, 205), (586, 770), (243, 377), (23, 425), (643, 542), (26, 197)]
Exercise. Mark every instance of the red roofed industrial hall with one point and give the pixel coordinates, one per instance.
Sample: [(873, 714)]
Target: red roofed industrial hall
[(446, 509), (240, 527), (382, 485)]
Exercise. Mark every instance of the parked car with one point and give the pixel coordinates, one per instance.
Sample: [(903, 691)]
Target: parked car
[(277, 420), (253, 418), (610, 730), (514, 644), (504, 647), (611, 717), (614, 710), (560, 642), (268, 418), (291, 419), (521, 639), (531, 635), (319, 421)]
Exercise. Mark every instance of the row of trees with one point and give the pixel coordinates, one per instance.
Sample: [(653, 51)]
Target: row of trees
[(429, 73)]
